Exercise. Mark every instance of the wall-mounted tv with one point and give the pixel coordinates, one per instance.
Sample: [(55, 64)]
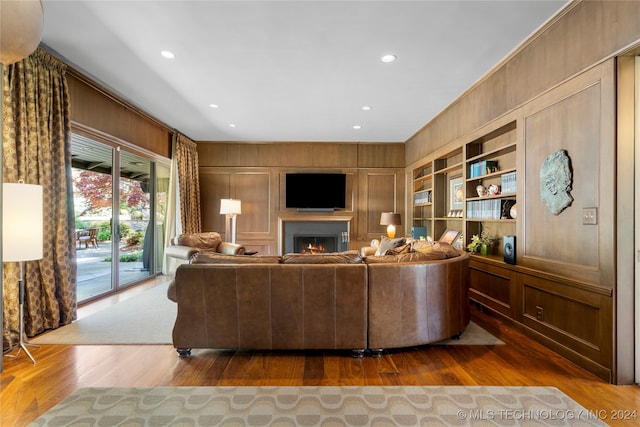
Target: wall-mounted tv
[(316, 191)]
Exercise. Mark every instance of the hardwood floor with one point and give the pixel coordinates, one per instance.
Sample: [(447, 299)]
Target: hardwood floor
[(28, 390)]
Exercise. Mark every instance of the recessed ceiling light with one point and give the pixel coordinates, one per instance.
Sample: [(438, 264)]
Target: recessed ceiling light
[(388, 58), (167, 54), (232, 125), (214, 105), (357, 126), (366, 107)]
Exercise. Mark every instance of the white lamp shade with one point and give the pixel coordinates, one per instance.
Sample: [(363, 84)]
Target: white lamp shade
[(21, 26), (230, 207), (22, 222)]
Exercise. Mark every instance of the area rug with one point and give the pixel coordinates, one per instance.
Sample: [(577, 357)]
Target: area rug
[(149, 317), (319, 406)]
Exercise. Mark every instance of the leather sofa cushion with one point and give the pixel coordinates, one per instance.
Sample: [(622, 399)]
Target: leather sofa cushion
[(210, 240), (210, 257), (414, 257), (349, 257)]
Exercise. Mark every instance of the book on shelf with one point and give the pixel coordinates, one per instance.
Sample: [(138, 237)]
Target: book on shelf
[(490, 209), (422, 198), (482, 168), (509, 182)]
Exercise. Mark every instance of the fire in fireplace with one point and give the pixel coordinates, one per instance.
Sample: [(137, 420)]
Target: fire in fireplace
[(314, 244)]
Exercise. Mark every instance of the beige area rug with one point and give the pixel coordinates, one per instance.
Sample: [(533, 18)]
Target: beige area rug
[(319, 406), (149, 317)]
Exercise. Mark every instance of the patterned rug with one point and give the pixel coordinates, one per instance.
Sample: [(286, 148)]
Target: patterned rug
[(319, 406)]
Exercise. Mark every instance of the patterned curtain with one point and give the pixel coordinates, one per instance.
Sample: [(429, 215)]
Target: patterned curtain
[(189, 184), (36, 148)]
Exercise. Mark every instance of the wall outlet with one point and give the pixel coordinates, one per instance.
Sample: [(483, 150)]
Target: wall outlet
[(539, 313), (589, 216)]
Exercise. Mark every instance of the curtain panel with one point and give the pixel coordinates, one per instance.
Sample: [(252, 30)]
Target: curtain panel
[(189, 184), (36, 148)]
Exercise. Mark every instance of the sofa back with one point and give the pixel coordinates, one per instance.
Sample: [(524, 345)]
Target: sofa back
[(417, 303), (271, 306)]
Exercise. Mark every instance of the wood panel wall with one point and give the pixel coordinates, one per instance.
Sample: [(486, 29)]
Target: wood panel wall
[(96, 108), (561, 84), (254, 173)]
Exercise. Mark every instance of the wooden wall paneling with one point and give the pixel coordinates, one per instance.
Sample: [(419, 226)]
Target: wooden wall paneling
[(575, 117), (381, 191), (92, 108), (493, 287), (379, 155), (254, 191), (577, 321), (214, 185)]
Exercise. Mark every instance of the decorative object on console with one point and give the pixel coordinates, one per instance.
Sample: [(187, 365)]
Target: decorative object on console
[(481, 190), (390, 219), (481, 244), (509, 249), (494, 190), (449, 236), (231, 208), (22, 236), (555, 181)]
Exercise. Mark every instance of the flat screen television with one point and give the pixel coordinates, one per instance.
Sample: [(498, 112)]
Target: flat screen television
[(316, 191)]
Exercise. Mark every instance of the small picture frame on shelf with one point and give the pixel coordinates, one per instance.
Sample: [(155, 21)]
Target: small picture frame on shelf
[(456, 193), (449, 236)]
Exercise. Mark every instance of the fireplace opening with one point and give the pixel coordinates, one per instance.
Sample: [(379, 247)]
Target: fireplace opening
[(314, 244)]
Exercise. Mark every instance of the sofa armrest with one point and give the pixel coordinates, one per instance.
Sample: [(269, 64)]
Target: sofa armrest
[(228, 248), (181, 252)]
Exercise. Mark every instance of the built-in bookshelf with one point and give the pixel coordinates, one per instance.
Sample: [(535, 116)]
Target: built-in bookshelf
[(470, 188), (491, 185)]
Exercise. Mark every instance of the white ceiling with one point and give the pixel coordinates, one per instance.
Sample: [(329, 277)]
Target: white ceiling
[(290, 70)]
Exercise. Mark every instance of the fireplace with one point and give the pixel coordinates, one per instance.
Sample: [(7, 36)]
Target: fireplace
[(315, 236)]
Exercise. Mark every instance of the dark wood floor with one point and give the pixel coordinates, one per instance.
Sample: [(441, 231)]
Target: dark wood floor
[(28, 390)]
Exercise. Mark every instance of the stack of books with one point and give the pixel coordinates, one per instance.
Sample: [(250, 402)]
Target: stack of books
[(489, 209), (422, 198), (482, 168), (509, 183)]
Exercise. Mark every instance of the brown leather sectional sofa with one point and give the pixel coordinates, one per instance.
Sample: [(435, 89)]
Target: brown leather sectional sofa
[(334, 301)]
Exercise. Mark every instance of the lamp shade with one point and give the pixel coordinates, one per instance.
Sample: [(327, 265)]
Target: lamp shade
[(390, 218), (230, 207), (22, 222), (21, 26)]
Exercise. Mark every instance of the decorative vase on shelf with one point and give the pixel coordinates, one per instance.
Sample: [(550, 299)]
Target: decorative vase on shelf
[(513, 212), (484, 250)]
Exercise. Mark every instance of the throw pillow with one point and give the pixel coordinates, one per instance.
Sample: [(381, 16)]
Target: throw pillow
[(446, 248), (387, 243), (421, 246)]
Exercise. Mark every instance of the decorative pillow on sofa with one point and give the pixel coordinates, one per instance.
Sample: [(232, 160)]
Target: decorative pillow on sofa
[(415, 257), (386, 244), (210, 240), (210, 257), (348, 257), (446, 248), (421, 246)]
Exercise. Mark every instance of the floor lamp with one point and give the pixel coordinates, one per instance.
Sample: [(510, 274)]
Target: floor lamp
[(230, 208), (22, 236)]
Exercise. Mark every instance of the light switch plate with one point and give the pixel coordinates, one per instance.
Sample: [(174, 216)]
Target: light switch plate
[(589, 216)]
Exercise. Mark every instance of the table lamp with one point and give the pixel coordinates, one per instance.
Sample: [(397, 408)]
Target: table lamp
[(390, 219), (231, 208), (22, 236)]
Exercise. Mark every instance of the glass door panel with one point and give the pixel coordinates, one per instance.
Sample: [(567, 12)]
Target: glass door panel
[(136, 224), (162, 197), (92, 164)]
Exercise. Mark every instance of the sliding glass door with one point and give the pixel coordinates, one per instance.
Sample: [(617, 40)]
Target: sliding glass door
[(119, 216)]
